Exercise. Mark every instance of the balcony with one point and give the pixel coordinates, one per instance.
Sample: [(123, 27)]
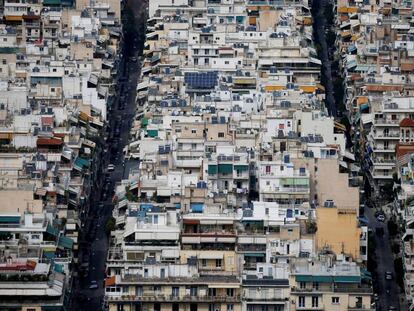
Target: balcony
[(173, 298), (360, 308), (386, 122), (390, 136), (330, 289), (285, 190)]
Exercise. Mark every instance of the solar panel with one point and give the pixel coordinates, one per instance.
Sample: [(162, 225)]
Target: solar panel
[(204, 80)]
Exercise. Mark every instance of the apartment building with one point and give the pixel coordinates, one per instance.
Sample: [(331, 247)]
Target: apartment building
[(375, 44), (236, 147), (56, 67)]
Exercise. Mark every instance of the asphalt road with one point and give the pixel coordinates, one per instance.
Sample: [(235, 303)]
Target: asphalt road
[(95, 246), (387, 290), (320, 37)]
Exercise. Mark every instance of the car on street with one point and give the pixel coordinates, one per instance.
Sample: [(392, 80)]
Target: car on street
[(93, 286), (134, 59), (388, 275), (111, 168), (392, 308), (381, 218)]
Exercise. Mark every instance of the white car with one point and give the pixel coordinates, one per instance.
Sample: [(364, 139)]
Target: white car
[(111, 168), (381, 218)]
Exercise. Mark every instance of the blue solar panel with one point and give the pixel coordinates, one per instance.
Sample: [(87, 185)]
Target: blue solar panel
[(204, 80)]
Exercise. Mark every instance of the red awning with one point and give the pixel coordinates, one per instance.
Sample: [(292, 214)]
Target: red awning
[(191, 221), (49, 142)]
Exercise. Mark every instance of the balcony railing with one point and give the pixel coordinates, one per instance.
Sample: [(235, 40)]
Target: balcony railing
[(178, 298)]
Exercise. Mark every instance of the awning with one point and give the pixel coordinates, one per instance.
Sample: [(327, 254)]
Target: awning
[(363, 107), (51, 230), (110, 281), (314, 278), (191, 221), (65, 242), (9, 219), (254, 255), (13, 18), (49, 255), (223, 285), (58, 268), (152, 133), (349, 155), (212, 169), (197, 207), (347, 279), (41, 192), (241, 167), (225, 168)]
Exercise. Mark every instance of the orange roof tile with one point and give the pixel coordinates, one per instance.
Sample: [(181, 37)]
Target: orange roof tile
[(383, 88), (407, 122), (402, 150)]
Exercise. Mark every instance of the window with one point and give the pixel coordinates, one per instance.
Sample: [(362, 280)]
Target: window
[(267, 169), (221, 134), (302, 285), (155, 219), (175, 291), (226, 62), (193, 131), (193, 146), (315, 301), (52, 89), (138, 291), (4, 39), (267, 211), (229, 307), (193, 291), (315, 285), (301, 301), (335, 300), (204, 262), (218, 263), (4, 62), (230, 292)]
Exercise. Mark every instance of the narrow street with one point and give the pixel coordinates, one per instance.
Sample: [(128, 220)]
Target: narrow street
[(387, 290), (94, 240), (319, 26)]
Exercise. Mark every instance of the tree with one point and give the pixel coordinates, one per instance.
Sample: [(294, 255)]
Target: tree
[(110, 225), (392, 227)]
